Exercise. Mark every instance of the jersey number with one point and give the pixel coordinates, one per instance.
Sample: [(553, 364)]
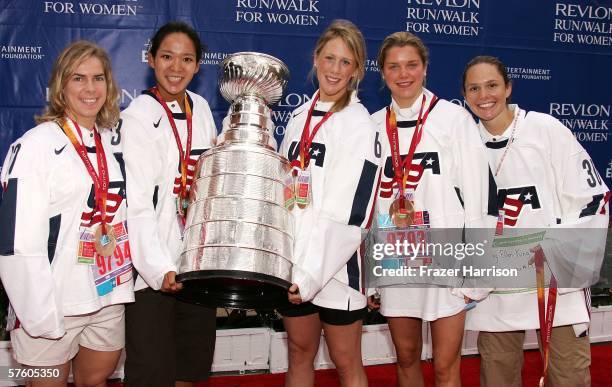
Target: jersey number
[(14, 150), (377, 146), (594, 177), (117, 139)]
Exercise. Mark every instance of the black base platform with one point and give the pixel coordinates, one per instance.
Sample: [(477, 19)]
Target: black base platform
[(233, 289)]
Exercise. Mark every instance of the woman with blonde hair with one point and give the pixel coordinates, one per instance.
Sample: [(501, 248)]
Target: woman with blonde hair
[(435, 176), (65, 262), (330, 141)]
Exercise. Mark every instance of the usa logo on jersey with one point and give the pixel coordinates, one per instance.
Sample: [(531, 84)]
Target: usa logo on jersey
[(317, 152), (191, 169), (421, 162), (513, 200), (114, 198)]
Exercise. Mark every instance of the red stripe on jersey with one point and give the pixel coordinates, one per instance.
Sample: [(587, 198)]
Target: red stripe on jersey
[(605, 201)]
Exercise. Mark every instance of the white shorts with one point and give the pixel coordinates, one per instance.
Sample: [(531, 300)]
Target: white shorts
[(103, 330), (428, 304)]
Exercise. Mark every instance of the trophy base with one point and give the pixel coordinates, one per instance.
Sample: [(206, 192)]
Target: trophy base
[(233, 289)]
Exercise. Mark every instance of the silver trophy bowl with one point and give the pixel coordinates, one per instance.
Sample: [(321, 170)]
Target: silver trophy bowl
[(238, 242)]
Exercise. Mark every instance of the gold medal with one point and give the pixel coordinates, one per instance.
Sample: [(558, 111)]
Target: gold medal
[(105, 244), (401, 212)]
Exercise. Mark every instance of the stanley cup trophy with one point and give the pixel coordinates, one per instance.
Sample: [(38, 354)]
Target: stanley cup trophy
[(238, 242)]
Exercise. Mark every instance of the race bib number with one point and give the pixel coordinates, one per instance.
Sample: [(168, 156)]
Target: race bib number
[(108, 271)]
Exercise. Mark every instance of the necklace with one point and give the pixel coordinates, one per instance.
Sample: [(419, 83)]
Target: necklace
[(510, 141)]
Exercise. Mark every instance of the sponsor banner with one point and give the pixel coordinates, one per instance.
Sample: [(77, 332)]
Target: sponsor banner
[(583, 24), (557, 53), (293, 17)]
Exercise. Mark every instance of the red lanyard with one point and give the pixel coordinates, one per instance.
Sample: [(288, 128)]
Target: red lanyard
[(100, 179), (546, 316), (183, 155), (306, 139), (402, 171)]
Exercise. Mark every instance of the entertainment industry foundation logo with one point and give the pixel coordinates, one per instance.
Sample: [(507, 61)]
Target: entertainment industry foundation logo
[(583, 24), (589, 122), (371, 65), (609, 170), (213, 58), (289, 12), (144, 53), (21, 52), (444, 17), (529, 73), (115, 8), (284, 107)]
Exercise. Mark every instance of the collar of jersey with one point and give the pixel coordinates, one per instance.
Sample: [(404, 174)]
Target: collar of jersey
[(325, 106), (88, 139), (412, 112), (487, 137)]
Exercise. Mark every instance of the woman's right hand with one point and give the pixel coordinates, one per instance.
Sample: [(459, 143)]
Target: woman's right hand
[(169, 284)]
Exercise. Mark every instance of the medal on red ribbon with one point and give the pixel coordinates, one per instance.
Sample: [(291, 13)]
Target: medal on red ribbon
[(104, 238), (499, 227), (182, 199), (402, 211), (546, 313), (303, 183)]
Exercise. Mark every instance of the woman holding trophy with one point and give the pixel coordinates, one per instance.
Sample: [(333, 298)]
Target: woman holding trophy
[(435, 176), (163, 132), (330, 141)]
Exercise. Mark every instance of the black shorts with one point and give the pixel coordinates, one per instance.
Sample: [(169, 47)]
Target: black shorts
[(327, 315), (167, 340)]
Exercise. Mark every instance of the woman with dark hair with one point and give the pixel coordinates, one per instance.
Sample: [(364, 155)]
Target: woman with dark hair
[(65, 260), (331, 143), (549, 182), (435, 176), (163, 131)]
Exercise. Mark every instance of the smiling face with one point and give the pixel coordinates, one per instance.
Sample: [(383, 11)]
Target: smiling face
[(335, 65), (404, 72), (85, 92), (486, 94), (175, 65)]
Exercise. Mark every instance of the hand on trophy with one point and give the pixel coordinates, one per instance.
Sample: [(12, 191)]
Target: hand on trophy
[(169, 285), (294, 295), (374, 301)]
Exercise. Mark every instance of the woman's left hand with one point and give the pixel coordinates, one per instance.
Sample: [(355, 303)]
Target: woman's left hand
[(293, 294), (469, 303)]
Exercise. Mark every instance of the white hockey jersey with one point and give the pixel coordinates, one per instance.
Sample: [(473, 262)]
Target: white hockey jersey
[(153, 177), (48, 202), (546, 181), (344, 172), (451, 175)]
